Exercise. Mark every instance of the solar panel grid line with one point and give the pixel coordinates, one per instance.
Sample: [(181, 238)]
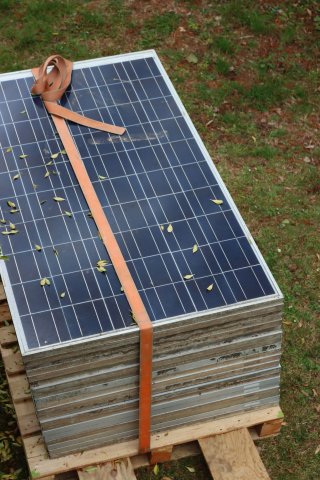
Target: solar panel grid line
[(168, 222), (151, 233), (200, 227), (62, 310), (39, 277), (57, 293), (97, 174), (82, 271)]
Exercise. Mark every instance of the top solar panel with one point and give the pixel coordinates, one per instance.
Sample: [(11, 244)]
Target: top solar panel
[(156, 184)]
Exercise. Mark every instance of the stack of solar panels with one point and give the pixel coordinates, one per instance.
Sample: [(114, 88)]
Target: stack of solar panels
[(215, 306)]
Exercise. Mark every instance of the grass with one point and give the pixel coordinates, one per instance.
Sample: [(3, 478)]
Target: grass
[(257, 84)]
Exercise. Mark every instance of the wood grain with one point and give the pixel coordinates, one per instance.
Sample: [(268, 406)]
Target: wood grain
[(118, 470), (233, 456)]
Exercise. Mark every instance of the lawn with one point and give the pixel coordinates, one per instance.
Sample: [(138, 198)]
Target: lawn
[(248, 74)]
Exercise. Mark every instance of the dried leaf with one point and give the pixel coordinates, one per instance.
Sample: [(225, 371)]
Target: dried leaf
[(12, 226), (69, 214), (42, 202), (5, 258), (90, 215), (49, 163), (14, 231), (55, 172), (2, 220), (14, 210), (192, 58), (9, 149), (6, 232), (210, 287), (195, 248), (63, 294), (217, 202), (23, 156), (44, 281), (101, 177), (121, 289), (170, 228), (54, 155), (38, 247), (55, 251), (58, 199), (11, 204), (161, 227), (47, 174), (191, 469), (132, 316), (156, 469), (16, 176), (101, 269), (63, 152), (188, 276), (317, 450), (23, 111), (102, 263)]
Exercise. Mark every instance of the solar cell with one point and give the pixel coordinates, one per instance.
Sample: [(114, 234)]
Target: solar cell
[(158, 188)]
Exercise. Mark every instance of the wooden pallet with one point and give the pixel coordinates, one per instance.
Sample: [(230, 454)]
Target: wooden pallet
[(227, 443)]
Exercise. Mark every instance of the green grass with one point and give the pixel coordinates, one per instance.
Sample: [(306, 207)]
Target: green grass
[(262, 114)]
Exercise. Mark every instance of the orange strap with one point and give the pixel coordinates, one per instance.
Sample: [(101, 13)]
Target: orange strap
[(51, 86)]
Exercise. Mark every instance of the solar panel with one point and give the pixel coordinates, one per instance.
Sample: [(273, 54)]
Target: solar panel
[(183, 239)]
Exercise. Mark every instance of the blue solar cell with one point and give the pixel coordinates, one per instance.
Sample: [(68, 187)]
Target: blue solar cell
[(156, 174)]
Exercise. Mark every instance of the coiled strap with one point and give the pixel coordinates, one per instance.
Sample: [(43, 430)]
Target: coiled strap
[(52, 84)]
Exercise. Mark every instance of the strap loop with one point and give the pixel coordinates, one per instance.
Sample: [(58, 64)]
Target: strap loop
[(52, 84)]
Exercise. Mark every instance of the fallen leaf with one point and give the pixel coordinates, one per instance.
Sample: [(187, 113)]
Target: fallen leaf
[(156, 469), (47, 174), (101, 177), (11, 204), (132, 316), (192, 58), (38, 247), (170, 228), (121, 289), (23, 111), (317, 450), (55, 251), (58, 199), (63, 294), (188, 276), (162, 227), (210, 287), (16, 177), (14, 210), (49, 163), (44, 281), (191, 469), (63, 152), (12, 226), (217, 202), (90, 215), (42, 202), (9, 149), (69, 214), (23, 156), (2, 220), (102, 263), (195, 248), (101, 269), (5, 258), (54, 155)]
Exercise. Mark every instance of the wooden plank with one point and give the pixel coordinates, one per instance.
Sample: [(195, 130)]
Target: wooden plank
[(43, 466), (161, 455), (3, 297), (26, 418), (7, 335), (19, 388), (269, 428), (233, 456), (5, 315), (117, 470), (12, 361)]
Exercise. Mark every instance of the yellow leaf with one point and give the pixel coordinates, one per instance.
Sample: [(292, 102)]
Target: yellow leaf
[(54, 155), (58, 199), (38, 247), (55, 251), (217, 202), (121, 289), (191, 469), (12, 226), (49, 163), (11, 204), (47, 174), (16, 177), (44, 281), (63, 294), (161, 227), (170, 228), (6, 232), (188, 277), (14, 210), (63, 152), (195, 248), (69, 214), (102, 263), (156, 469), (101, 177), (47, 281), (9, 149), (2, 220), (14, 231), (101, 269), (23, 156), (210, 287)]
